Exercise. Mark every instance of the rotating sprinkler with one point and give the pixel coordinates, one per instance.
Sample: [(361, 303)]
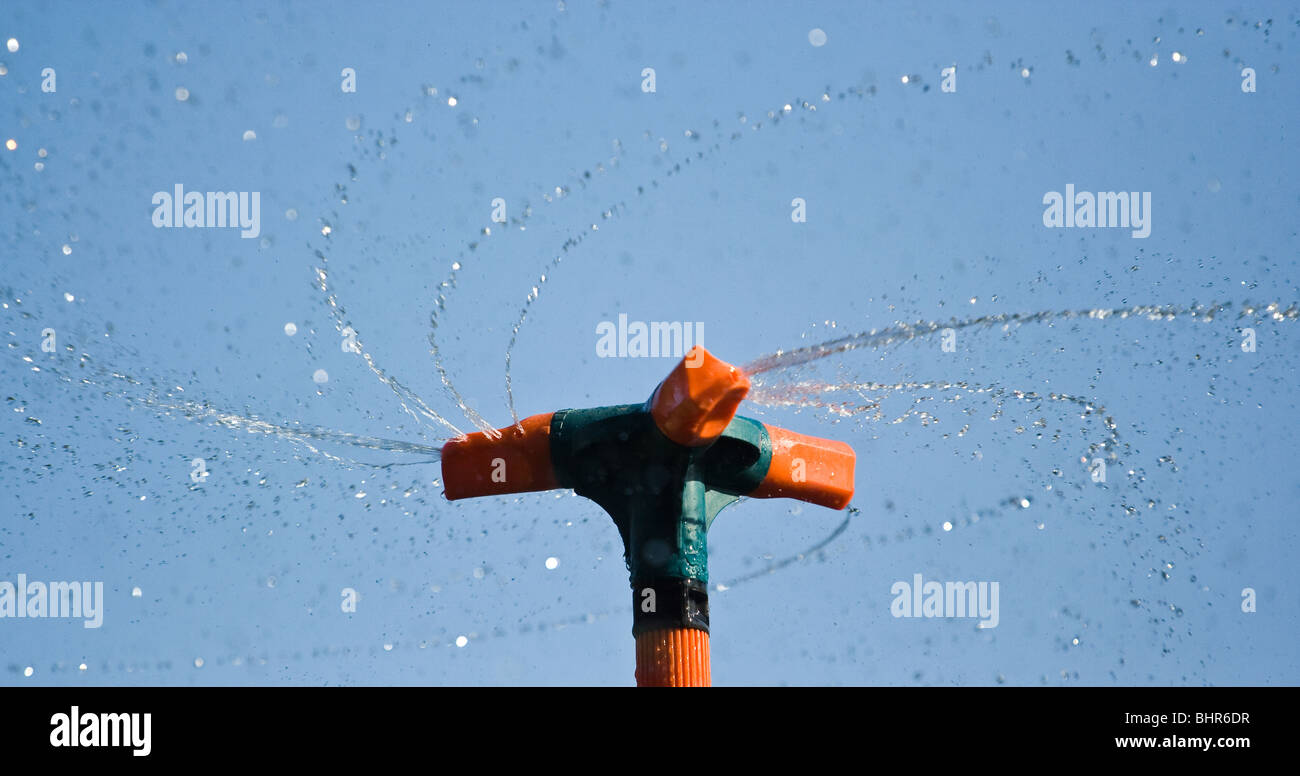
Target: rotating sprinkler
[(662, 469)]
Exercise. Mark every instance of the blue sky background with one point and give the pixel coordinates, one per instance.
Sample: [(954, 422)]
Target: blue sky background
[(921, 206)]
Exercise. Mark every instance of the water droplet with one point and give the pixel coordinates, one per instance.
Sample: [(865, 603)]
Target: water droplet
[(12, 45), (817, 37), (320, 376), (182, 94), (552, 563), (290, 328), (461, 641), (249, 135)]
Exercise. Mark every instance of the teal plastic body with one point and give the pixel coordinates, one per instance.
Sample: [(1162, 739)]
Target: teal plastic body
[(662, 496)]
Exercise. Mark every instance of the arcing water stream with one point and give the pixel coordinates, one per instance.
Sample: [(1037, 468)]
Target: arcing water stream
[(1089, 428)]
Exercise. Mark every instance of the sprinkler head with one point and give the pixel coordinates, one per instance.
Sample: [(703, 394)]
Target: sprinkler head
[(662, 469)]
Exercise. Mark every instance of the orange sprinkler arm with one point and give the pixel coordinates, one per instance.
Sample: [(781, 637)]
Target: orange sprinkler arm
[(517, 461), (697, 400), (819, 471)]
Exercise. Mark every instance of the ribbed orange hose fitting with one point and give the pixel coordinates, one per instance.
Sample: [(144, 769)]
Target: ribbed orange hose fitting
[(673, 657)]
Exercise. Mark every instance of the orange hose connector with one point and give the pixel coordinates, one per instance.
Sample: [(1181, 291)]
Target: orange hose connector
[(673, 657)]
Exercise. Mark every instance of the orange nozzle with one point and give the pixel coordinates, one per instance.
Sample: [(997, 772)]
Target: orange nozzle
[(517, 462), (696, 401), (808, 468)]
